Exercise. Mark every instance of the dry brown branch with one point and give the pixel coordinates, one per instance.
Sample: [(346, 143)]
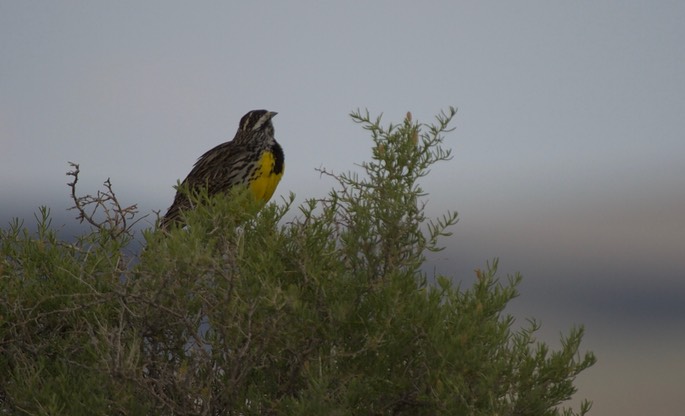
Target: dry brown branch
[(118, 219)]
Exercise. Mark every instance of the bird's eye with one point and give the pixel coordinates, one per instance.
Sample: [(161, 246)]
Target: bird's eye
[(261, 121)]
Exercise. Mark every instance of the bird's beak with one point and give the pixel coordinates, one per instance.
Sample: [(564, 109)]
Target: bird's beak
[(272, 114)]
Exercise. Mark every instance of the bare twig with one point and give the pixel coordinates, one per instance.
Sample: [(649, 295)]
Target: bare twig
[(118, 218)]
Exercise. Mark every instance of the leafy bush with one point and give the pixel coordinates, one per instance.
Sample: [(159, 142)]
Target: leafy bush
[(242, 312)]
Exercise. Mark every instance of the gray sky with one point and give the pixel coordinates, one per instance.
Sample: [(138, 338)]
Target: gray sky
[(568, 149)]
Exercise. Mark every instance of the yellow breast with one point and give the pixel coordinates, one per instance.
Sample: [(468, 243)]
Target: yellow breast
[(265, 180)]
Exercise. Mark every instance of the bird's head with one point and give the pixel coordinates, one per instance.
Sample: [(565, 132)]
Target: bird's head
[(257, 121)]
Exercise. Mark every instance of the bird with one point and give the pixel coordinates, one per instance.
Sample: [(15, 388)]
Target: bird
[(253, 159)]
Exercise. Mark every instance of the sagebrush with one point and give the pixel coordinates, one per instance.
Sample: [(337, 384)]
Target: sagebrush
[(319, 309)]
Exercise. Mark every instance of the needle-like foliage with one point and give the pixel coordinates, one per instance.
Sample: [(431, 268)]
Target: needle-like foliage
[(320, 310)]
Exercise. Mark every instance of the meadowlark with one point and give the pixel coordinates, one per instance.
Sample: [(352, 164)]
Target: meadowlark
[(253, 159)]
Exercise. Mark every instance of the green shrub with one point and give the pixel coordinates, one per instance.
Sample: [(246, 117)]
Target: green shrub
[(243, 312)]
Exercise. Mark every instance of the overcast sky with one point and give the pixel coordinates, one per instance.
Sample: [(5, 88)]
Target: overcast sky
[(568, 149)]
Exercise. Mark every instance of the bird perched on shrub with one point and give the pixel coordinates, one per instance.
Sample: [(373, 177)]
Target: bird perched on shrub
[(253, 159)]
